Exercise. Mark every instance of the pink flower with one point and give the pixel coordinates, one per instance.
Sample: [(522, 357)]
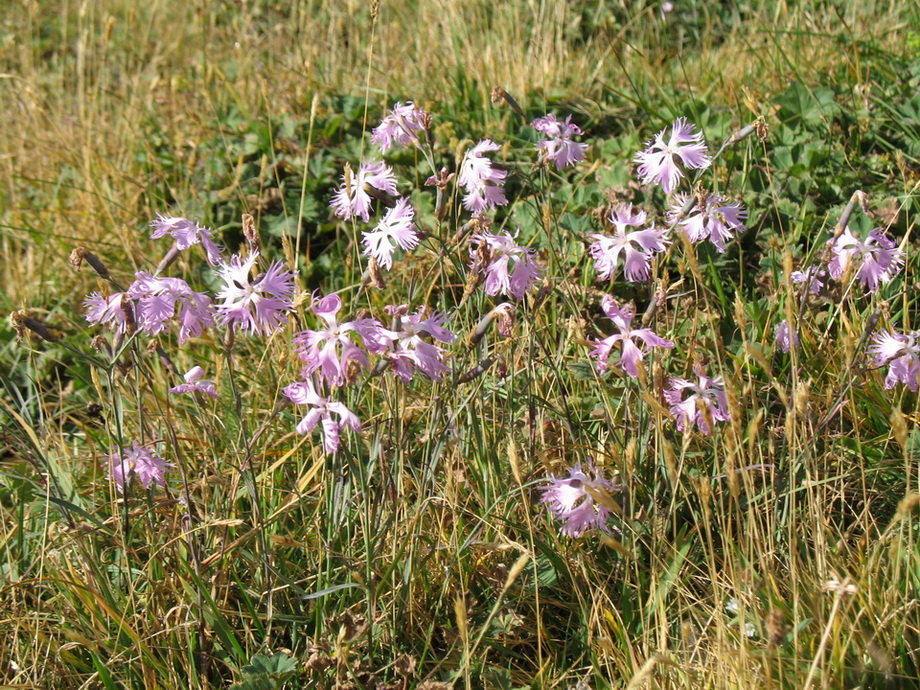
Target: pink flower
[(481, 179), (140, 462), (877, 257), (112, 310), (785, 335), (194, 384), (559, 147), (259, 305), (636, 246), (713, 218), (632, 353), (902, 354), (400, 126), (658, 163), (705, 404), (409, 350), (575, 501), (157, 299), (396, 229), (812, 275), (333, 415), (353, 198), (186, 233), (512, 269)]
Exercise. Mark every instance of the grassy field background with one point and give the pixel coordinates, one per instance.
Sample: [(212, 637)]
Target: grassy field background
[(420, 555)]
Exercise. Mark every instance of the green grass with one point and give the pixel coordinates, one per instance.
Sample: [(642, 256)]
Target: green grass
[(420, 554)]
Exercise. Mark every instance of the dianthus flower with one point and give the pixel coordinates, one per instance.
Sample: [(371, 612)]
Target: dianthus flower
[(400, 126), (636, 246), (409, 350), (705, 404), (259, 305), (786, 336), (139, 462), (116, 310), (330, 350), (333, 415), (511, 269), (194, 384), (395, 229), (481, 179), (578, 501), (186, 233), (658, 163), (877, 257), (559, 147), (632, 354), (713, 217), (353, 198), (157, 299), (902, 354), (813, 275)]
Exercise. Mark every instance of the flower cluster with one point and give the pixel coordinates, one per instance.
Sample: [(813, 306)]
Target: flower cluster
[(635, 247), (395, 230), (579, 501), (140, 462), (401, 126), (901, 352), (705, 405), (558, 147), (713, 218), (195, 383), (186, 233), (632, 354), (353, 198), (255, 305), (658, 162), (876, 259), (509, 268), (482, 179)]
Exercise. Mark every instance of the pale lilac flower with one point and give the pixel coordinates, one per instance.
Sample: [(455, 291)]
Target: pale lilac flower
[(259, 305), (400, 126), (632, 354), (786, 336), (186, 233), (329, 350), (637, 247), (194, 384), (512, 269), (902, 354), (574, 501), (156, 301), (559, 147), (714, 218), (813, 275), (353, 198), (705, 404), (395, 229), (112, 310), (877, 257), (658, 163), (332, 415), (139, 462), (481, 179), (409, 350)]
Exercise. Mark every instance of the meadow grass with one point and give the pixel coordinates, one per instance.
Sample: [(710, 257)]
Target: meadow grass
[(779, 552)]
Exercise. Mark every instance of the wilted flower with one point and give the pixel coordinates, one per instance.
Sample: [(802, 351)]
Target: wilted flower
[(333, 415), (139, 462), (400, 126), (636, 246), (559, 147), (481, 179), (713, 217), (902, 354), (877, 257), (786, 336), (157, 299), (186, 233), (257, 306), (705, 404), (578, 501), (353, 198), (396, 229), (409, 350), (511, 269), (632, 353), (195, 384), (658, 163)]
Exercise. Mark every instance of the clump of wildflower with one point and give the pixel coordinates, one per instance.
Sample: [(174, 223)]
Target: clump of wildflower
[(559, 148), (705, 405), (140, 462), (259, 305), (786, 336), (877, 257), (186, 233), (353, 198), (637, 247), (579, 501), (713, 217), (409, 350), (901, 352), (632, 354), (194, 384), (332, 415), (156, 302), (511, 268), (395, 229), (658, 163), (481, 179), (401, 126)]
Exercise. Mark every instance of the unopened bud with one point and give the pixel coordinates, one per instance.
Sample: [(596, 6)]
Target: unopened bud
[(21, 322), (478, 370)]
